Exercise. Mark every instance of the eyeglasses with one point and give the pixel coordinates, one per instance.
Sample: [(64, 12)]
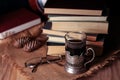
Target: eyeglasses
[(33, 63)]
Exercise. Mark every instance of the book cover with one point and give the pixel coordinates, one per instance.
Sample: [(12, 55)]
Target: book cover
[(76, 7), (85, 26), (17, 21)]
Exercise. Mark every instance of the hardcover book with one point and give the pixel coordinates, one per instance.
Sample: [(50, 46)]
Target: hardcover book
[(17, 21), (85, 26), (61, 40), (74, 7), (60, 49), (54, 33)]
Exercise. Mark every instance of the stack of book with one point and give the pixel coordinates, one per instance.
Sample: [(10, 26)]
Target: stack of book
[(75, 15), (56, 42)]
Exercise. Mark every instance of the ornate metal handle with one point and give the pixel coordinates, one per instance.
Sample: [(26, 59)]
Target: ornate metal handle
[(93, 52)]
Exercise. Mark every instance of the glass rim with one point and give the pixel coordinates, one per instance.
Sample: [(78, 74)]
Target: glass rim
[(83, 35)]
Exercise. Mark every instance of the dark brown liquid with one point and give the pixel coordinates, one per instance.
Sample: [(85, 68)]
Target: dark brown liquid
[(76, 47)]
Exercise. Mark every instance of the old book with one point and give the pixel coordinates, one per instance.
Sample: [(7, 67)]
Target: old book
[(90, 37), (55, 50), (61, 40), (72, 11), (74, 7), (85, 26), (76, 18), (17, 21), (56, 46)]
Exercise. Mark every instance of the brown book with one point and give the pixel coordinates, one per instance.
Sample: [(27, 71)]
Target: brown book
[(72, 11), (60, 50), (74, 7), (59, 34), (85, 26), (61, 40), (56, 49)]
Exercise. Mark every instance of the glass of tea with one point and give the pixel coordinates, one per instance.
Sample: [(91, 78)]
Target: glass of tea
[(75, 48)]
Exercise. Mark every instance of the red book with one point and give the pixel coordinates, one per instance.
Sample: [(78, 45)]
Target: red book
[(17, 21)]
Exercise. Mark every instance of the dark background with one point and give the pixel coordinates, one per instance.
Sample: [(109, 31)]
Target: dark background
[(11, 5), (112, 42)]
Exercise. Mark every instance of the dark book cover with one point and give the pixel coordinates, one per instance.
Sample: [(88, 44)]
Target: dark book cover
[(76, 4), (16, 18), (17, 21)]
